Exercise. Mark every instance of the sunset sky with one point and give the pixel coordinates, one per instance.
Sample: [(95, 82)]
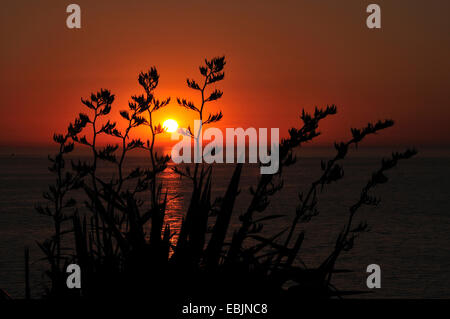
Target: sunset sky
[(282, 56)]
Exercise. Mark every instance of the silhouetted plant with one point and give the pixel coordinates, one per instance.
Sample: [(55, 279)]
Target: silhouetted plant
[(191, 240), (111, 239), (60, 205)]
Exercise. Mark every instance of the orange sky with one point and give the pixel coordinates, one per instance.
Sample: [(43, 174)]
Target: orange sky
[(282, 56)]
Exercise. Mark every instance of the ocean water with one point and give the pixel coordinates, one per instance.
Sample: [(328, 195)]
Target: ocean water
[(409, 236)]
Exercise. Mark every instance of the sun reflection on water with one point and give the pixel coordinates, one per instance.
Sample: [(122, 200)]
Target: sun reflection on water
[(175, 199)]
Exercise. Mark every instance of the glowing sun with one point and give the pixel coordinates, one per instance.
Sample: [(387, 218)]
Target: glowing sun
[(170, 125)]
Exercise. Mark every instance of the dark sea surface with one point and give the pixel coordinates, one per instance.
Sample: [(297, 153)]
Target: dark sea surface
[(409, 237)]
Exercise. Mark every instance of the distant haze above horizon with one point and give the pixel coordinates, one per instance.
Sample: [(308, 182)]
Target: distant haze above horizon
[(281, 56)]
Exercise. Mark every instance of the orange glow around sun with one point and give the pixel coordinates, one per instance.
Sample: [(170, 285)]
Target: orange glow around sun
[(170, 125)]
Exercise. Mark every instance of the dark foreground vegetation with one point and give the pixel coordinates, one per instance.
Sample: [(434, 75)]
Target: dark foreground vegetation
[(123, 244)]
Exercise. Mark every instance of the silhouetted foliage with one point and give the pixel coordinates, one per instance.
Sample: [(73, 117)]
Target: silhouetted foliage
[(120, 237)]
